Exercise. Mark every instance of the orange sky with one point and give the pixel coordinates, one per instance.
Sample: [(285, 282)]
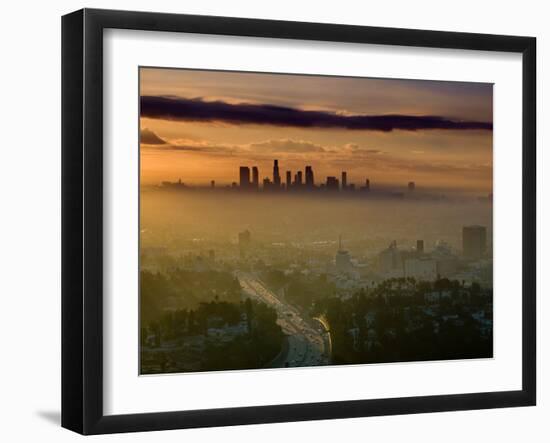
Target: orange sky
[(200, 149)]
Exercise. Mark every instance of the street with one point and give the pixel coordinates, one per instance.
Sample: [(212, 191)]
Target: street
[(306, 343)]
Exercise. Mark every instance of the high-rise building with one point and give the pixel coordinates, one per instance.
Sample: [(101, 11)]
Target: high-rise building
[(367, 185), (298, 179), (255, 177), (332, 184), (288, 179), (411, 186), (474, 241), (310, 181), (344, 180), (244, 177), (212, 183), (276, 175)]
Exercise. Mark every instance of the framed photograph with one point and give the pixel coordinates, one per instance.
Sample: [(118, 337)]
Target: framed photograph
[(269, 221)]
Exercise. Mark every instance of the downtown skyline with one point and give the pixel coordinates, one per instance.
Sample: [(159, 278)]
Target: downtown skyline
[(204, 125), (249, 179)]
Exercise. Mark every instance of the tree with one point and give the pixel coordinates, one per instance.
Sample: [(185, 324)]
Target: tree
[(249, 314)]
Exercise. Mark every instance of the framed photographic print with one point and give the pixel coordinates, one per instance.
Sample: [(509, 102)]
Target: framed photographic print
[(269, 221)]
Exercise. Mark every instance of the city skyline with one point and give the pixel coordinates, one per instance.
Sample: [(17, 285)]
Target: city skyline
[(249, 180), (200, 124)]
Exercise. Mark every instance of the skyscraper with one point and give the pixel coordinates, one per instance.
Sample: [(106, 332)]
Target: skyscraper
[(474, 241), (298, 179), (310, 181), (244, 177), (367, 185), (276, 175), (255, 177), (288, 179), (411, 186), (344, 180)]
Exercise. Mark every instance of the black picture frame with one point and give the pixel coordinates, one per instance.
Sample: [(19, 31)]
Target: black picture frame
[(82, 219)]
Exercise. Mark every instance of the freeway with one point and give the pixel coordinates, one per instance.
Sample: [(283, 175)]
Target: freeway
[(307, 341)]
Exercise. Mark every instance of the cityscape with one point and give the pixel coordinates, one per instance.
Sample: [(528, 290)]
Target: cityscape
[(300, 181), (410, 288), (304, 183), (243, 267)]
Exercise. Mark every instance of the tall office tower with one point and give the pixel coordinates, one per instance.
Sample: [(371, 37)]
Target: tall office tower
[(276, 176), (310, 181), (344, 180), (212, 183), (474, 241), (255, 177), (244, 177), (298, 178), (367, 185), (332, 184), (288, 180), (420, 246), (411, 186)]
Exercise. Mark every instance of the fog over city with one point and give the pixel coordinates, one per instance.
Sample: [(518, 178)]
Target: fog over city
[(198, 220), (292, 221)]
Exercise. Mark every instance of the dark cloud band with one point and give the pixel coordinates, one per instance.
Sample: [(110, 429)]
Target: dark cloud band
[(198, 110)]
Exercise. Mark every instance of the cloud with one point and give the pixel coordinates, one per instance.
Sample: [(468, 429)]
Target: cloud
[(198, 110), (210, 149), (148, 137), (267, 147), (287, 146), (151, 142), (348, 156), (356, 149)]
